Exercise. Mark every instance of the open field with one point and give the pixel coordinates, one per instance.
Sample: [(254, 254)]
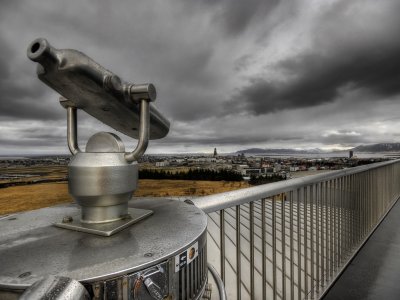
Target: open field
[(165, 188), (28, 197), (33, 190), (28, 175), (34, 196)]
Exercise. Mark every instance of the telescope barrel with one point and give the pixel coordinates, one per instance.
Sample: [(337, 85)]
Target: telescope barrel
[(96, 90)]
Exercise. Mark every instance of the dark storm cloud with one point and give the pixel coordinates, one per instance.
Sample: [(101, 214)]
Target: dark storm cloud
[(27, 102), (170, 51), (343, 55), (235, 134), (227, 140), (20, 96), (119, 37), (218, 67), (32, 142)]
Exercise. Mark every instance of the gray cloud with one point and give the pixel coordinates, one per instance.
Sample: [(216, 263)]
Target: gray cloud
[(236, 16), (20, 96), (343, 55), (228, 73), (344, 137), (32, 142)]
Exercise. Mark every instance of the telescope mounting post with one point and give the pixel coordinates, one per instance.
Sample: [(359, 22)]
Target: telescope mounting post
[(99, 177)]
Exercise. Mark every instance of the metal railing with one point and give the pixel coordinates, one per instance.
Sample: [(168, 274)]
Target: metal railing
[(292, 239)]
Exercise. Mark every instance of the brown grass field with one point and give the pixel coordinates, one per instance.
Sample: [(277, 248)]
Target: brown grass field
[(34, 196), (35, 173)]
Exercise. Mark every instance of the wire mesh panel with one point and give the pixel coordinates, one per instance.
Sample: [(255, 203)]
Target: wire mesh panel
[(291, 240)]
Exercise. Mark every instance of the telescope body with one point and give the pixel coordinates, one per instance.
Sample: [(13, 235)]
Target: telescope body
[(88, 86)]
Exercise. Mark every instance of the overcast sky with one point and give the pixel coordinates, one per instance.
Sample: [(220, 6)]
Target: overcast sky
[(229, 74)]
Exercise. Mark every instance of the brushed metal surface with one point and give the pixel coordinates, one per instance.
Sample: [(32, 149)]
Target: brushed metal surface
[(56, 288), (102, 183), (133, 216), (101, 174), (32, 248), (96, 90)]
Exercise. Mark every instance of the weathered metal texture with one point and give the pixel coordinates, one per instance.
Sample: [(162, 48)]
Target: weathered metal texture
[(292, 239), (101, 174), (97, 215), (56, 288), (31, 248), (96, 90), (105, 177), (102, 182)]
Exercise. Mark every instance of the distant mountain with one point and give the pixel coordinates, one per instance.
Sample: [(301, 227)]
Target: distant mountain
[(383, 147), (278, 151)]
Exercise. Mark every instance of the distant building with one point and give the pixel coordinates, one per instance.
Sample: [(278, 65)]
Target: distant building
[(250, 171), (277, 167), (242, 169), (162, 163), (351, 153), (215, 152)]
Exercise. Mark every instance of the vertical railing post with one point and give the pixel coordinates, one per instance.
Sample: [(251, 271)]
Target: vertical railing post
[(312, 199), (252, 250), (263, 250), (327, 246), (238, 256), (305, 226), (222, 243), (365, 202), (291, 247), (283, 246), (323, 233), (340, 220), (335, 223), (274, 247), (331, 229), (318, 237), (299, 287)]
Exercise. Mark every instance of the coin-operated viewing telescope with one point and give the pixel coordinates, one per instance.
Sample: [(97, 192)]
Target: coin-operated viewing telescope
[(107, 246)]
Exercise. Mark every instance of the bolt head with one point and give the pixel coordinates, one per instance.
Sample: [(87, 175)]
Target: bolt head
[(67, 219)]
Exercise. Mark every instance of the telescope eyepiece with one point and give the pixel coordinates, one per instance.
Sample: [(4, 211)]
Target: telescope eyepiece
[(40, 51), (89, 86)]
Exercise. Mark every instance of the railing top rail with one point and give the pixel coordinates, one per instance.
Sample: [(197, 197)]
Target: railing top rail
[(224, 200)]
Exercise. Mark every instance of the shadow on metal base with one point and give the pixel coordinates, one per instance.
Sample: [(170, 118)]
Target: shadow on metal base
[(106, 229)]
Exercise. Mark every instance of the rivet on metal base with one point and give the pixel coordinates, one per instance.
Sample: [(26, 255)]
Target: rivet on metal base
[(106, 229)]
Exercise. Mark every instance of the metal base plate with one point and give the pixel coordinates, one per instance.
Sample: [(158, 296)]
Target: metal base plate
[(106, 229), (31, 247)]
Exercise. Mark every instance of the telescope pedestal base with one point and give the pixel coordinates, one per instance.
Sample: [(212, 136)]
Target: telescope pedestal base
[(106, 229)]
